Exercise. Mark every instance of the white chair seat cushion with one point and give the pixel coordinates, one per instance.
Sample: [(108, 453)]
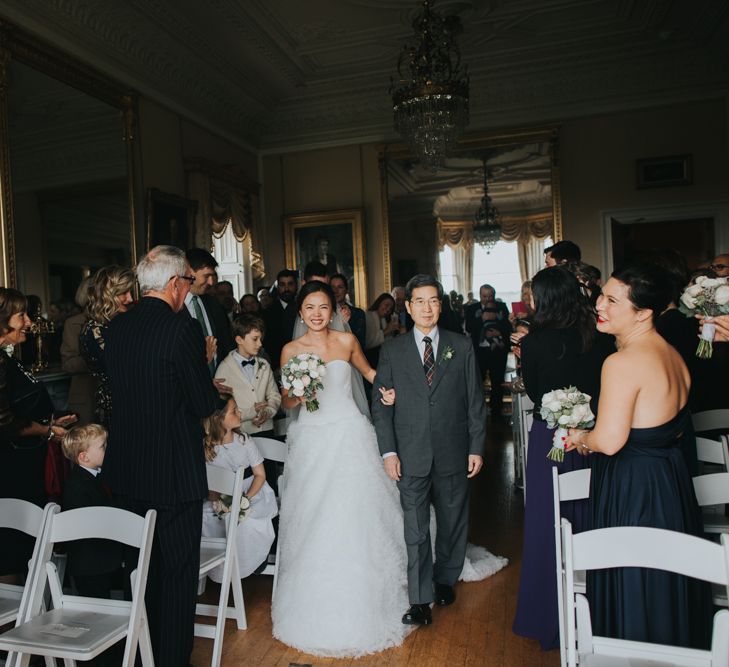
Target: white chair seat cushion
[(715, 523), (8, 610), (211, 557), (95, 631), (597, 660), (624, 653)]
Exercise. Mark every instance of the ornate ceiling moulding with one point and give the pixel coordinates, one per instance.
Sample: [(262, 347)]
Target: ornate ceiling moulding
[(473, 144), (35, 53)]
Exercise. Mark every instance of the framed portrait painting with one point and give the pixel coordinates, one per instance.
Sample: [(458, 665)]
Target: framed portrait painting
[(170, 220), (333, 238)]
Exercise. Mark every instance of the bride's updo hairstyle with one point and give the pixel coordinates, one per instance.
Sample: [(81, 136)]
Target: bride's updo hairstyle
[(650, 287), (311, 288), (560, 303)]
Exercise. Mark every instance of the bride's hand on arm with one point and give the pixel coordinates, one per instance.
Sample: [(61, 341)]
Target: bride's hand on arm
[(388, 396)]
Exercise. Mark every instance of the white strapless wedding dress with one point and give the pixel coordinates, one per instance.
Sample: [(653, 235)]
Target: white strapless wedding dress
[(342, 578)]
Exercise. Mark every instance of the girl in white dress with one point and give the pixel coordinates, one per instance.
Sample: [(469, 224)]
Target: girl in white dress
[(227, 448)]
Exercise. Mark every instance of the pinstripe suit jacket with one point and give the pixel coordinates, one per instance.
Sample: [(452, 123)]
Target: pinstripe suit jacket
[(161, 388)]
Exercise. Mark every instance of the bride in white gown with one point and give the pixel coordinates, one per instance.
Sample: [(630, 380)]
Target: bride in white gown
[(342, 584)]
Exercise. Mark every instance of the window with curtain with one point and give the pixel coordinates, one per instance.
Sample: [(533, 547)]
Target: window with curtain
[(498, 268)]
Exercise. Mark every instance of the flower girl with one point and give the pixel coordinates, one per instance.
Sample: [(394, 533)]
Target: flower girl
[(227, 448)]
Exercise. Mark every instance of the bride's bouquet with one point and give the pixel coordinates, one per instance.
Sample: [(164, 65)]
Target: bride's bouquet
[(222, 507), (563, 409), (302, 376), (708, 297)]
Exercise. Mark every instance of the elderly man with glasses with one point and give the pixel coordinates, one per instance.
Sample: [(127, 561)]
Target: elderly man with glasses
[(154, 460)]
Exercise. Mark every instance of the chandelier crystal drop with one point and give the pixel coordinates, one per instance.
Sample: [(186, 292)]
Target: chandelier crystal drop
[(430, 100), (486, 227)]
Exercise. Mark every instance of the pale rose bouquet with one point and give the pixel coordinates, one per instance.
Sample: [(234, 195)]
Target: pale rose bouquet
[(563, 409), (302, 376), (708, 297), (222, 507)]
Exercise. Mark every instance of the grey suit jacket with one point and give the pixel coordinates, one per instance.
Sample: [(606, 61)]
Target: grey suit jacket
[(430, 427)]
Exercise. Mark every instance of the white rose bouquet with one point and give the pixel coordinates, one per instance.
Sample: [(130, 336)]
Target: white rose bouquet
[(563, 409), (221, 507), (302, 376), (708, 297)]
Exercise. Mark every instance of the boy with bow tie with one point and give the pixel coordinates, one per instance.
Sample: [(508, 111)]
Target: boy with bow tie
[(251, 377)]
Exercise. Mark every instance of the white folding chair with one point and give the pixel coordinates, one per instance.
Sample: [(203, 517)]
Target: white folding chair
[(713, 490), (654, 548), (273, 450), (80, 628), (525, 418), (713, 452), (30, 519), (711, 420), (216, 551), (573, 485)]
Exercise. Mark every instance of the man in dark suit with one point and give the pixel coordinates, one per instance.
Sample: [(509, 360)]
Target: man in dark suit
[(432, 441), (159, 378), (280, 316), (205, 308), (488, 324), (357, 319)]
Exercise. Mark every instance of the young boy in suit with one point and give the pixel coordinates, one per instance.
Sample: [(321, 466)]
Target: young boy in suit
[(251, 377), (93, 563)]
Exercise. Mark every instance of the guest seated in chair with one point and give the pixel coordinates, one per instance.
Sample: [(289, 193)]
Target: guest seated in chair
[(227, 448)]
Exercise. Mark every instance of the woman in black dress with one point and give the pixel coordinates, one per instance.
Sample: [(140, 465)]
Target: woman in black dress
[(25, 429), (639, 474), (561, 349), (109, 294)]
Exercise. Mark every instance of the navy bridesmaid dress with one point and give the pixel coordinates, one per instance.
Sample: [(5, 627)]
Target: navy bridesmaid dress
[(647, 483), (536, 610)]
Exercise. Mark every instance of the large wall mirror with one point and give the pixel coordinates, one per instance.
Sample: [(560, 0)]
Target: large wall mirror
[(67, 195), (426, 213)]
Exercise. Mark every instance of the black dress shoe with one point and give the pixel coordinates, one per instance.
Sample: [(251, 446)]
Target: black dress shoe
[(444, 594), (418, 614)]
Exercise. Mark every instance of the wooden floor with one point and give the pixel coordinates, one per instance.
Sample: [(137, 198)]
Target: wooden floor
[(474, 631)]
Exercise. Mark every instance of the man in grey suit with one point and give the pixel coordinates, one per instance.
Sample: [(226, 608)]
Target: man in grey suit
[(432, 441)]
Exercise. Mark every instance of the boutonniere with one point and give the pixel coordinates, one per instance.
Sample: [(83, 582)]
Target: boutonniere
[(447, 354)]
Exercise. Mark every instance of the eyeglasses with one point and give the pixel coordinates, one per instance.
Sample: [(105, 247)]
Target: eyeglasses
[(420, 303), (189, 279), (719, 267)]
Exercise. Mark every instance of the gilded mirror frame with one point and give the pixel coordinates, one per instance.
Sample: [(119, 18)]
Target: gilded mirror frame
[(18, 45), (474, 143)]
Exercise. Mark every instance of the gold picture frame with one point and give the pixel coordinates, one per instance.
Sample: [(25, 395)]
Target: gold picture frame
[(343, 231)]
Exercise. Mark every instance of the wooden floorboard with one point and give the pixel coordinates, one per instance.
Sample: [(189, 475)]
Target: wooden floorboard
[(473, 632)]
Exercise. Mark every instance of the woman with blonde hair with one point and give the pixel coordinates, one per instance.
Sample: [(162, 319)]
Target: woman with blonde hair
[(109, 293)]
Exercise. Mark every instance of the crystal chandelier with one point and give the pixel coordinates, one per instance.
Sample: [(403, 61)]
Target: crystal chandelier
[(486, 227), (430, 101)]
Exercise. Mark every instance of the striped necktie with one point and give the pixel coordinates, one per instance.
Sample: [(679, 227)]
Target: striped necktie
[(428, 360)]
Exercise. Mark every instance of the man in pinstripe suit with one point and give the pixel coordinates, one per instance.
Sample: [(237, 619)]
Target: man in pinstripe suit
[(155, 356)]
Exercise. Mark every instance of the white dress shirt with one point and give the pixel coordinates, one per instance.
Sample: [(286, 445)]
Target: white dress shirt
[(207, 329), (93, 471), (249, 370), (434, 340)]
